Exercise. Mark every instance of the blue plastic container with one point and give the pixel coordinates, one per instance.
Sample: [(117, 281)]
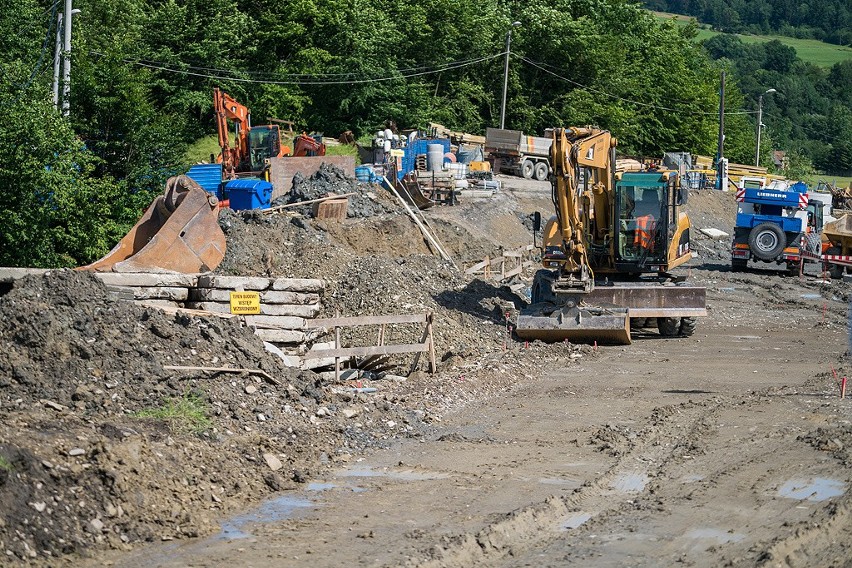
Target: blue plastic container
[(364, 173), (249, 194), (208, 176)]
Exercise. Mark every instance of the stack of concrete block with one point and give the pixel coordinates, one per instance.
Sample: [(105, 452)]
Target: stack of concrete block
[(285, 303)]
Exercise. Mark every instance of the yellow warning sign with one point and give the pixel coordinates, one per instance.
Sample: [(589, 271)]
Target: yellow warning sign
[(245, 303)]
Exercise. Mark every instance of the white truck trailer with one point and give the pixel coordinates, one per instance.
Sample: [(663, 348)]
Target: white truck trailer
[(511, 151)]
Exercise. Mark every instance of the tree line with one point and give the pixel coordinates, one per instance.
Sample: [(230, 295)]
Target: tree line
[(829, 20)]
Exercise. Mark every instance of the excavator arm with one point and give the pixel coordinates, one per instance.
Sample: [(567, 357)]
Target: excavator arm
[(583, 215), (225, 108)]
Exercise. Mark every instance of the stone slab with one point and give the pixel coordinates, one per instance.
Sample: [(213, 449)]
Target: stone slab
[(275, 322), (280, 335), (265, 309), (268, 296)]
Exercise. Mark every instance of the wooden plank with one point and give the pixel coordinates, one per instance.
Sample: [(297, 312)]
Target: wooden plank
[(258, 372), (513, 272), (280, 335), (265, 309), (477, 267), (275, 322), (367, 351), (308, 202), (267, 296), (365, 320)]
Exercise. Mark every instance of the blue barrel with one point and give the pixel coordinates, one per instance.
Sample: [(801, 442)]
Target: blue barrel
[(208, 176), (364, 173), (249, 194)]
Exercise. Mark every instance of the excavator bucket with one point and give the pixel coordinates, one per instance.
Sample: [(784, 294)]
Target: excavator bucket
[(179, 232), (578, 323)]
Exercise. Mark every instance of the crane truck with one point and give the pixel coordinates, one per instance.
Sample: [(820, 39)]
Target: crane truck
[(608, 250)]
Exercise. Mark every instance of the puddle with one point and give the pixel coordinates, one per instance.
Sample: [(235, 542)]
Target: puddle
[(558, 481), (575, 520), (315, 486), (277, 509), (811, 296), (404, 475), (630, 482), (753, 337), (816, 489), (720, 536)]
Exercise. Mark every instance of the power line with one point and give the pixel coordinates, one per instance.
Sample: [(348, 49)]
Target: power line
[(403, 74), (542, 67)]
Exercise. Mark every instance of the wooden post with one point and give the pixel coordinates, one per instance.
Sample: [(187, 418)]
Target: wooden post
[(433, 368), (381, 340), (337, 359)]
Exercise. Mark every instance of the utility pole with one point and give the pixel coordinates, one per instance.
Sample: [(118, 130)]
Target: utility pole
[(57, 56), (506, 75), (721, 161), (66, 62), (760, 124)]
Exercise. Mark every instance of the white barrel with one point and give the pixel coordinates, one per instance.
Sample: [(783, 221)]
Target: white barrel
[(435, 156)]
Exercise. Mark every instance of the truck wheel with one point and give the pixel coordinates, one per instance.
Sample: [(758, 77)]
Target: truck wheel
[(687, 326), (738, 264), (669, 327), (527, 169), (767, 241), (541, 171)]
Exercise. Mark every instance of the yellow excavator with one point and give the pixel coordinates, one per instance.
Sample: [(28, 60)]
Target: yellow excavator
[(608, 250)]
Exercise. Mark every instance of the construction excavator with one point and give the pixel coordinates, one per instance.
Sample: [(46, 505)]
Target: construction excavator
[(608, 250), (253, 145)]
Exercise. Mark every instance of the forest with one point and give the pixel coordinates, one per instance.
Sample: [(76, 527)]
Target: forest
[(143, 73), (828, 20)]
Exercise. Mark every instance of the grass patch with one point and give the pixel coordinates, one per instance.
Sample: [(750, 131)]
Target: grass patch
[(811, 50), (342, 150), (200, 150), (5, 464), (185, 414), (838, 181)]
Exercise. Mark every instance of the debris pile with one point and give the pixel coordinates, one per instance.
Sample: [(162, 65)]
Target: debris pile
[(368, 200)]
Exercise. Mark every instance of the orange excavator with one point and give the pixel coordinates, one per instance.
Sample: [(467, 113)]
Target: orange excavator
[(253, 145)]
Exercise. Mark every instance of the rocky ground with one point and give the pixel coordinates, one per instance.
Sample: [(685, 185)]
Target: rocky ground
[(103, 448)]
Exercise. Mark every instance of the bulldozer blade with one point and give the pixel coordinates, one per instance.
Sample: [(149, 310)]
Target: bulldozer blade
[(179, 232), (579, 324)]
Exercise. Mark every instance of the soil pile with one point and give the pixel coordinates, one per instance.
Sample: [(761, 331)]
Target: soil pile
[(367, 202), (101, 445)]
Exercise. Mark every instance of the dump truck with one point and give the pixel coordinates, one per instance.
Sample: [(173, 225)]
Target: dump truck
[(608, 250), (514, 152)]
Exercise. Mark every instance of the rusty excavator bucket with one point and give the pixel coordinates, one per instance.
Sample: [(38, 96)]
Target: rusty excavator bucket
[(179, 232)]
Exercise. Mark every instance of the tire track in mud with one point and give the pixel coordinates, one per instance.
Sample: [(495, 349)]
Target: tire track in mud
[(671, 431), (816, 544)]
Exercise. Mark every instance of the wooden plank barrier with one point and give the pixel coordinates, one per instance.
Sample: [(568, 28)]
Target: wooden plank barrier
[(426, 344)]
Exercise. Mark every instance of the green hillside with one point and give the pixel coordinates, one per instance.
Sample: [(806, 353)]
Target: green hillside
[(810, 50)]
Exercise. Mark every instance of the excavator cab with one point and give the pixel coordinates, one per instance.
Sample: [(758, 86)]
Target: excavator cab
[(645, 207), (264, 143)]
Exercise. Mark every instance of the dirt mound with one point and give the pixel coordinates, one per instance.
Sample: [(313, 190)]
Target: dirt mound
[(367, 201)]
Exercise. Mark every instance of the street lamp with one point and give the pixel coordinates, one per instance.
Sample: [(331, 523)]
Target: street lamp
[(760, 124), (506, 75)]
